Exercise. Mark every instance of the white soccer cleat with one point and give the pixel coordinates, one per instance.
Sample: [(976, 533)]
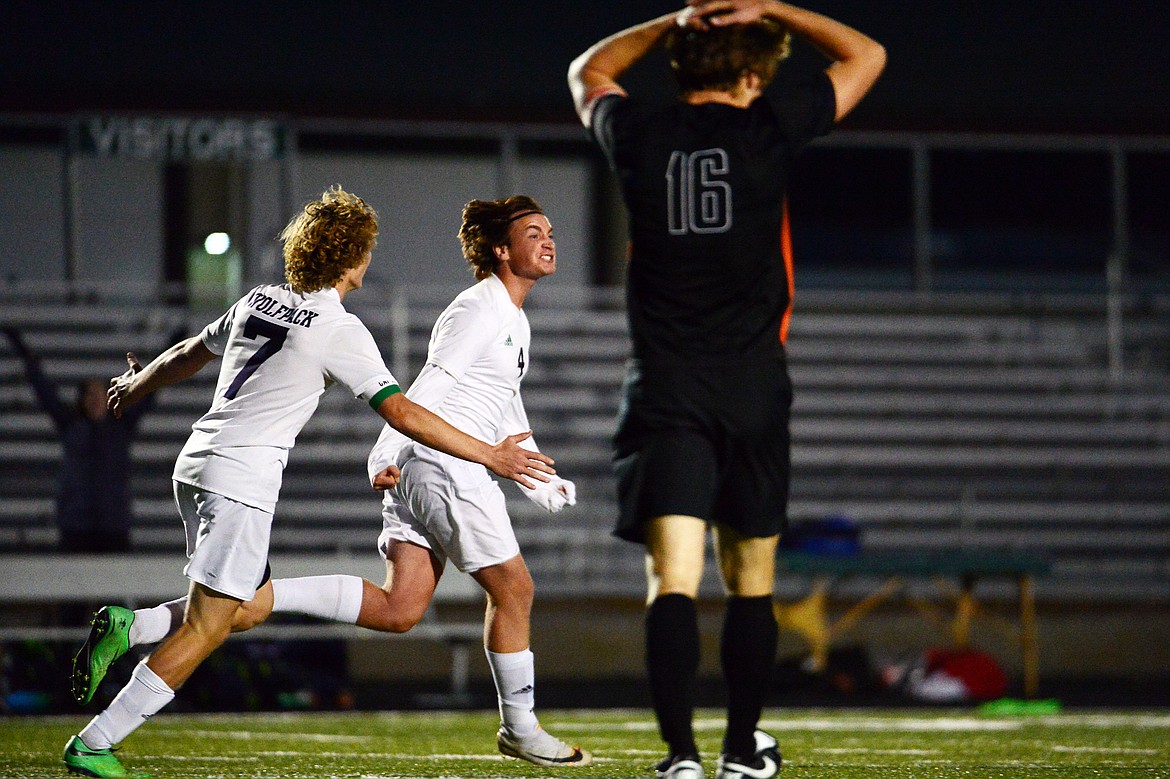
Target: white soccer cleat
[(541, 748), (679, 767), (765, 762)]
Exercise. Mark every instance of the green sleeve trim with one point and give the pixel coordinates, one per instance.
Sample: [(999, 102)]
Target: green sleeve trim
[(384, 393)]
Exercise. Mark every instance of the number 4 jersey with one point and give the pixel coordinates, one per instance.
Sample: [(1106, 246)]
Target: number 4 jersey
[(477, 356), (281, 350), (704, 186)]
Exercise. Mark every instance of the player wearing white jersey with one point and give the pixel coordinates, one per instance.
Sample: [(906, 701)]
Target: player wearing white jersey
[(477, 356), (280, 350), (282, 346), (443, 508)]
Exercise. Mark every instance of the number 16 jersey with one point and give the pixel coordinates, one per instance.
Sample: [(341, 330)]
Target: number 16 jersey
[(704, 186), (281, 350)]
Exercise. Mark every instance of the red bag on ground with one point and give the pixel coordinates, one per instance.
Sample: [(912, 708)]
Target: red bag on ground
[(978, 672)]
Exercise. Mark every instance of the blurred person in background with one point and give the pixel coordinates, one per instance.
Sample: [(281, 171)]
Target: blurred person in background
[(702, 436), (94, 511)]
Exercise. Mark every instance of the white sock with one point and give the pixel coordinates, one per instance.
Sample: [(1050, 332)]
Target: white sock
[(336, 597), (142, 696), (515, 676), (154, 624)]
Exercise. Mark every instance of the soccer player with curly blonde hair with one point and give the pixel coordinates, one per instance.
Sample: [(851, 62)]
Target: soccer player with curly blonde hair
[(329, 237)]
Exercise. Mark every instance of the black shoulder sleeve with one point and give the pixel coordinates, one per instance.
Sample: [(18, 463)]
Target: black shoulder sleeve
[(606, 118), (805, 109)]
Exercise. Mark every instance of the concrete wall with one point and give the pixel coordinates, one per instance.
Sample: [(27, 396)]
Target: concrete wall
[(119, 211), (419, 199)]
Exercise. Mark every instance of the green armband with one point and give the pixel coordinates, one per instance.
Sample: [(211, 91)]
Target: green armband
[(384, 393)]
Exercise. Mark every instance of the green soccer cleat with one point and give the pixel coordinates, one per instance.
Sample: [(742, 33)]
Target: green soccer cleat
[(108, 639), (80, 759)]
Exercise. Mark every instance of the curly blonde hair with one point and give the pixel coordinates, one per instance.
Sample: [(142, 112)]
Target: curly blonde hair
[(328, 238), (485, 226), (718, 57)]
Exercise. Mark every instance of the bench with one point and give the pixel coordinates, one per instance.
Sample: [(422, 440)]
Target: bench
[(137, 580), (956, 571)]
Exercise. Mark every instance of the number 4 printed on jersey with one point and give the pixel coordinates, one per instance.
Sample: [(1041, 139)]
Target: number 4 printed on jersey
[(253, 327)]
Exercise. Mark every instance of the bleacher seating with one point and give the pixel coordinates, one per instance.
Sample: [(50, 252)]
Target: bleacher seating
[(981, 422)]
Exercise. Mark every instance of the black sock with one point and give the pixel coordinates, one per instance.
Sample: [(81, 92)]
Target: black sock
[(748, 653), (672, 660)]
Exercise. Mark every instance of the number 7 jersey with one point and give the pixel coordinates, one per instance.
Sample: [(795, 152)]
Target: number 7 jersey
[(281, 350)]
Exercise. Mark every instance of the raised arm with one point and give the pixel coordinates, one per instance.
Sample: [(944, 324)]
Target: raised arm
[(857, 59), (134, 415), (179, 362), (594, 73), (43, 388)]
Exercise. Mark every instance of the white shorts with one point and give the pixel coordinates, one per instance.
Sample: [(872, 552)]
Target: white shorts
[(450, 506), (227, 541)]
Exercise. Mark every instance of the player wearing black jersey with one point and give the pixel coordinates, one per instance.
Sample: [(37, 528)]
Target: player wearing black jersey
[(703, 432)]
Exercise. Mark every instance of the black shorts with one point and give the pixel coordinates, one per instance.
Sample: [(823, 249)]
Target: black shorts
[(710, 442)]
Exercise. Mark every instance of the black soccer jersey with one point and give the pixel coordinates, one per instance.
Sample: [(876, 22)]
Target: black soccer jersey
[(704, 186)]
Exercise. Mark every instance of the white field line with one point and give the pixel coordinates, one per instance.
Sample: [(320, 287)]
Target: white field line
[(865, 751), (404, 776), (249, 758), (255, 756), (251, 735), (822, 724), (715, 724), (1152, 721), (1106, 750)]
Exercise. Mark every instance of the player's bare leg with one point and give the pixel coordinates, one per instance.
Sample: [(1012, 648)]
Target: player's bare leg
[(674, 556), (506, 632), (509, 608), (412, 574), (206, 625)]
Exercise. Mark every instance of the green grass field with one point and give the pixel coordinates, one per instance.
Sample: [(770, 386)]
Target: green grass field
[(817, 743)]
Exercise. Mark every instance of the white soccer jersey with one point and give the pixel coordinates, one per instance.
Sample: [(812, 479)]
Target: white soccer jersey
[(281, 350), (481, 343)]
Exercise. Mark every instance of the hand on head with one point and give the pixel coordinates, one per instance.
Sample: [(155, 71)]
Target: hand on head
[(703, 14)]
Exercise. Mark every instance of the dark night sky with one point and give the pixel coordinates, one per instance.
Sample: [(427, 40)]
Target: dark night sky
[(1007, 65)]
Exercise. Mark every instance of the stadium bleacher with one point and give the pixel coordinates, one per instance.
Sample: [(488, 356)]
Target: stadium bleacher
[(982, 422)]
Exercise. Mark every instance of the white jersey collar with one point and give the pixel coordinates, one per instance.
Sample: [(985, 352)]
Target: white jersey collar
[(329, 293), (497, 283)]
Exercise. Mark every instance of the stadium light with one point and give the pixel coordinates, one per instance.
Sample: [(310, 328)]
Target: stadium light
[(217, 243)]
